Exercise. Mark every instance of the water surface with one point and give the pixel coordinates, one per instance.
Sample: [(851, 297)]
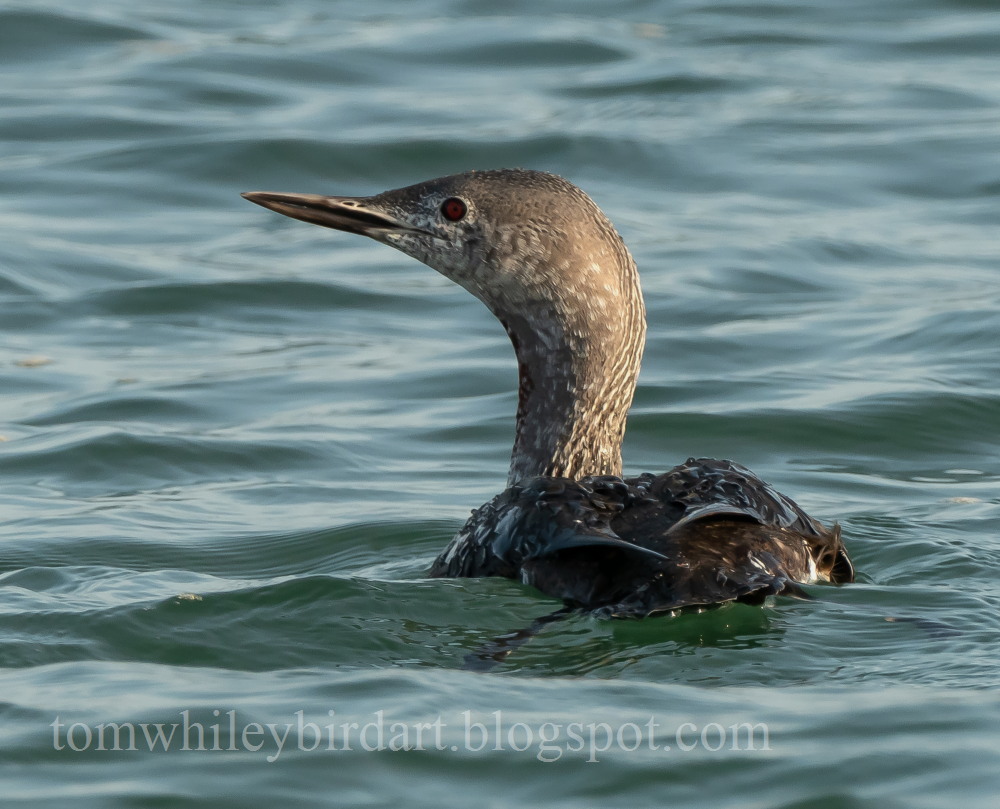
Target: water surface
[(233, 443)]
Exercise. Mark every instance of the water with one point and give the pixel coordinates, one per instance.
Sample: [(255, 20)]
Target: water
[(234, 443)]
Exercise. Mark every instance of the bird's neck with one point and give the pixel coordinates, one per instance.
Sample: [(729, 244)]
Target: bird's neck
[(577, 375)]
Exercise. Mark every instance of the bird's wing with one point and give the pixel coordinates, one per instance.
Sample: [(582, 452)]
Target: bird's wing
[(705, 532), (538, 519), (706, 488)]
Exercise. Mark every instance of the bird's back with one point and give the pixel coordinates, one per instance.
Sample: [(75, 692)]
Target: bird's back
[(704, 533)]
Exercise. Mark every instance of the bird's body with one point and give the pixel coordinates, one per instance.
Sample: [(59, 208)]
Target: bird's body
[(551, 267), (704, 533)]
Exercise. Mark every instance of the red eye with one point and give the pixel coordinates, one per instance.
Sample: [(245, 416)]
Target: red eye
[(453, 209)]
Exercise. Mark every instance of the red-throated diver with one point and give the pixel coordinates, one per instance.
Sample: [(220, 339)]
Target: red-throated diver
[(551, 267)]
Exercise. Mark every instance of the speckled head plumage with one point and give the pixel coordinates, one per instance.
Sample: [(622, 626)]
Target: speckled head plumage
[(551, 267), (518, 230)]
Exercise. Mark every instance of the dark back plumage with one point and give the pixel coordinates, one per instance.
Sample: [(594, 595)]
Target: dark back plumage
[(704, 533)]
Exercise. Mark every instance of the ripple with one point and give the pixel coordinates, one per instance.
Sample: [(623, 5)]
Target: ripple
[(88, 458), (656, 86), (35, 35)]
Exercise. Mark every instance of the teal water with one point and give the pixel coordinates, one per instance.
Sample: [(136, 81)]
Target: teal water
[(233, 443)]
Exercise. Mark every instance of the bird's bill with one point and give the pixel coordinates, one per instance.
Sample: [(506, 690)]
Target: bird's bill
[(350, 214)]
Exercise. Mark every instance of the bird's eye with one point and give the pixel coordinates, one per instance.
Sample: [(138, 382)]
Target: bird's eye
[(453, 209)]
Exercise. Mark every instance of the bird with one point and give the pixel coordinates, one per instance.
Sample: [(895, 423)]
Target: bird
[(552, 268)]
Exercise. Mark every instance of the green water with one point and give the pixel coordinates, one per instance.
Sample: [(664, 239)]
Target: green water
[(233, 443)]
